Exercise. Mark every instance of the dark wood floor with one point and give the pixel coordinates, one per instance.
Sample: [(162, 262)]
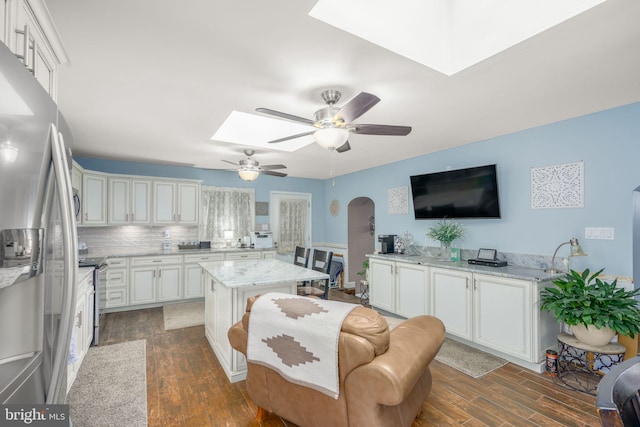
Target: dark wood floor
[(186, 386)]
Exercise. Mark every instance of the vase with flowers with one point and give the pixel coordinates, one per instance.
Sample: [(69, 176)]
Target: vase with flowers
[(446, 231)]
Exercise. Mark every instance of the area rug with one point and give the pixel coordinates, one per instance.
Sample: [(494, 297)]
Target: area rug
[(462, 357), (111, 387), (183, 315)]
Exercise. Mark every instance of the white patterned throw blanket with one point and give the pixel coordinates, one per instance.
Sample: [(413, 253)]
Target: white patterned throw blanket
[(298, 337)]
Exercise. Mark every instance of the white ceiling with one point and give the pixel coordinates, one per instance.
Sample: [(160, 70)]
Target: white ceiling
[(152, 81)]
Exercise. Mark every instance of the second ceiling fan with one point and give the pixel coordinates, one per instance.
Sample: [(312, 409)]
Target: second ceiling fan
[(334, 124)]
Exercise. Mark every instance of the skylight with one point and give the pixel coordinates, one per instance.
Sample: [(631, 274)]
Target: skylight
[(257, 131), (447, 35)]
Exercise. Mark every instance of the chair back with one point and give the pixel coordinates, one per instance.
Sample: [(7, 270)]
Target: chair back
[(301, 256), (321, 261), (618, 395)]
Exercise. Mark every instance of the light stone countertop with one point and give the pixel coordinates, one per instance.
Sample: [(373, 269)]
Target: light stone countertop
[(509, 271), (258, 272), (160, 252)]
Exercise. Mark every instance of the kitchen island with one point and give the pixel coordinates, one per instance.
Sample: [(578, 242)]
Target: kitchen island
[(228, 285)]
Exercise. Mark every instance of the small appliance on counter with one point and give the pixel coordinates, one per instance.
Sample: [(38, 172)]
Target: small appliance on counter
[(488, 257), (262, 239), (386, 243)]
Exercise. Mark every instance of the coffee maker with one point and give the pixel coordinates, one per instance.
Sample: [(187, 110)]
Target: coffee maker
[(386, 243)]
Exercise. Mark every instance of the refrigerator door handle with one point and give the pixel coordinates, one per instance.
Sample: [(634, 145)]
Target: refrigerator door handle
[(55, 393)]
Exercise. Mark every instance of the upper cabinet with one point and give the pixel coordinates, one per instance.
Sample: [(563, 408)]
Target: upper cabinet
[(112, 199), (176, 202), (31, 35), (129, 201)]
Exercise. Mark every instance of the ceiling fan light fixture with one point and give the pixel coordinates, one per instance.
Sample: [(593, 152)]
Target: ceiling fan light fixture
[(249, 174), (331, 138)]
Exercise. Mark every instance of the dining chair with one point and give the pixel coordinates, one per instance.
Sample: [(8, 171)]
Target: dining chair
[(301, 256), (321, 262)]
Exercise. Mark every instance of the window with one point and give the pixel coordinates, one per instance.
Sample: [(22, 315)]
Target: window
[(227, 209), (291, 220)]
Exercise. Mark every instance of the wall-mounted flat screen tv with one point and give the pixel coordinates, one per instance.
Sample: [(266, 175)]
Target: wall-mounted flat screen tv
[(460, 193)]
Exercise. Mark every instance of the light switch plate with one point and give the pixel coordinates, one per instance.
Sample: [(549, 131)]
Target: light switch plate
[(599, 233)]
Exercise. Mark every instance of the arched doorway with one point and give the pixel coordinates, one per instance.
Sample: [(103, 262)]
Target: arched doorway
[(361, 232)]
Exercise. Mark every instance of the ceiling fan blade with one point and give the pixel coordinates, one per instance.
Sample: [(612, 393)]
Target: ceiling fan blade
[(285, 116), (227, 161), (355, 108), (381, 130), (344, 147), (272, 173), (286, 138), (271, 167)]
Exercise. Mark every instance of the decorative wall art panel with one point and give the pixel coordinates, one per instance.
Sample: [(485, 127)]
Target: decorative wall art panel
[(398, 201), (262, 208), (560, 186)]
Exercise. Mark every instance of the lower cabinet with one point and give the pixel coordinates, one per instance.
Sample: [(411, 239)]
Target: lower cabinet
[(194, 277), (451, 300), (225, 306), (136, 281), (494, 313), (399, 288), (155, 279), (82, 324)]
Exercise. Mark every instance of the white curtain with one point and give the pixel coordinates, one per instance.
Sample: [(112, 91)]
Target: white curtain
[(292, 225), (227, 209)]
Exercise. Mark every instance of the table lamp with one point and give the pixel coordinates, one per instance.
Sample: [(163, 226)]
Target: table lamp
[(228, 236), (576, 250)]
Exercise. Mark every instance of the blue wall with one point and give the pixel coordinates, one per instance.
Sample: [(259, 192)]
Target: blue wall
[(263, 185), (607, 142)]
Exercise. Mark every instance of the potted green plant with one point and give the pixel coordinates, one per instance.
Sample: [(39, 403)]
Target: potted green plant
[(446, 232), (365, 269), (591, 306)]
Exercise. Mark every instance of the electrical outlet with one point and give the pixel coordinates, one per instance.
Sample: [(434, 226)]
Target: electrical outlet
[(599, 233)]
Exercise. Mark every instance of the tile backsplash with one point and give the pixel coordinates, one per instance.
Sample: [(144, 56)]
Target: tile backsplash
[(122, 240)]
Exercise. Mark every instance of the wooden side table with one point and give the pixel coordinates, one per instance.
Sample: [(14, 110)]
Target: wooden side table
[(581, 366)]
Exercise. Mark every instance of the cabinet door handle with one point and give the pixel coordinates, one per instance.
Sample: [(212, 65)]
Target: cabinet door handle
[(157, 260), (126, 217), (213, 289), (132, 217), (86, 216), (467, 282), (475, 284), (153, 274), (160, 274), (79, 316)]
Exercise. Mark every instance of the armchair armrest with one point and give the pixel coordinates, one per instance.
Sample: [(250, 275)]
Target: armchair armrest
[(414, 344)]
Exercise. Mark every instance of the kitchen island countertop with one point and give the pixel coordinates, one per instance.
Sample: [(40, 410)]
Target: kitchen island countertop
[(258, 272)]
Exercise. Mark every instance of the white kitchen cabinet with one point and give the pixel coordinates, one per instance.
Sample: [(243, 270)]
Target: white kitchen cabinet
[(129, 201), (176, 202), (155, 279), (31, 35), (225, 306), (451, 300), (188, 203), (76, 176), (503, 312), (412, 285), (82, 322), (397, 287), (382, 289), (94, 198), (193, 283), (116, 293)]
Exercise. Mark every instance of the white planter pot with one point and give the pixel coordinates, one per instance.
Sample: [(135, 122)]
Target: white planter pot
[(592, 335)]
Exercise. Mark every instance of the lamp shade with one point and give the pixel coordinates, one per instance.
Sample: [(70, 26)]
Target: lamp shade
[(249, 174), (331, 138), (227, 234)]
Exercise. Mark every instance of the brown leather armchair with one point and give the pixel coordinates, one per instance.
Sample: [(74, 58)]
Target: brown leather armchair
[(384, 376)]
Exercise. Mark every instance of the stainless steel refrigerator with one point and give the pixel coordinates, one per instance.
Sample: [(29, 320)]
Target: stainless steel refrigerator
[(38, 256)]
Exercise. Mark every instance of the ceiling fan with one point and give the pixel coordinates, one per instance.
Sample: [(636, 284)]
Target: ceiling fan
[(250, 169), (334, 124)]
